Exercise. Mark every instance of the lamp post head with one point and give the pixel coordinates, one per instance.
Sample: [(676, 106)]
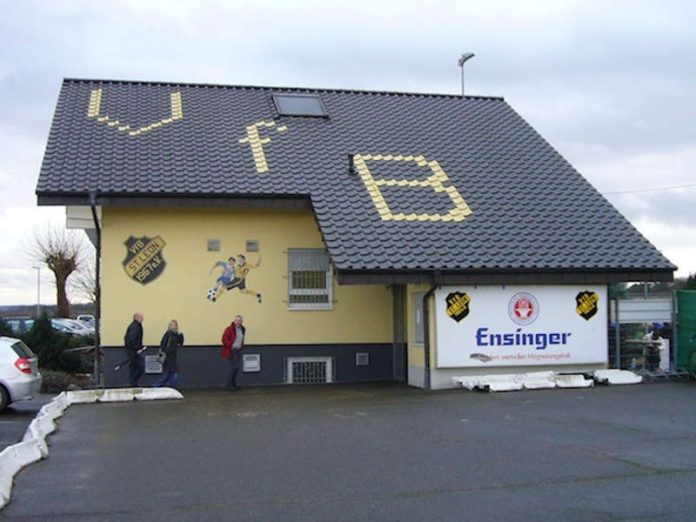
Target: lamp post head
[(464, 57)]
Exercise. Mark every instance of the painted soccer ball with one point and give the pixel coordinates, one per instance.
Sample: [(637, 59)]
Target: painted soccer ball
[(211, 294)]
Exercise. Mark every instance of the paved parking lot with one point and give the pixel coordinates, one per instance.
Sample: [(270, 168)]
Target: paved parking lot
[(377, 452), (16, 418)]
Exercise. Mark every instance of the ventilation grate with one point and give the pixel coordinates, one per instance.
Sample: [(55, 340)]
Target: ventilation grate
[(310, 370), (362, 359)]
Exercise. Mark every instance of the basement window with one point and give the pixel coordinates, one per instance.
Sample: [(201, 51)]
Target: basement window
[(299, 105), (309, 279)]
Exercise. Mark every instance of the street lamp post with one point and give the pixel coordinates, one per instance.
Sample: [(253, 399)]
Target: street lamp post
[(462, 60), (38, 290)]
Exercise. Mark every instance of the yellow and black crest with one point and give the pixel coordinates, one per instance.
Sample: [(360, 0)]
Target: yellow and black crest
[(144, 261), (586, 304), (458, 305)]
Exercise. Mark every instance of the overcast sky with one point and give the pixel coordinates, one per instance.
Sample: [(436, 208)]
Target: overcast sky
[(609, 84)]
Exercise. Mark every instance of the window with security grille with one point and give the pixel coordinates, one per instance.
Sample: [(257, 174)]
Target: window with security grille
[(309, 370), (309, 279)]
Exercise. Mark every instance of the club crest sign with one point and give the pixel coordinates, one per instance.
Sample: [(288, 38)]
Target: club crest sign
[(523, 308), (457, 305), (586, 304), (144, 262)]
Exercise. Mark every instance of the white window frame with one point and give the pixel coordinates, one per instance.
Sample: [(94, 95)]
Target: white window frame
[(328, 290)]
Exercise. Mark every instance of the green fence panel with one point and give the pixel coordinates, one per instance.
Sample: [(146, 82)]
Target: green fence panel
[(686, 333)]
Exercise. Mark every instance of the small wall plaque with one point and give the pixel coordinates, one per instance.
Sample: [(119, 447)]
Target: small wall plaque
[(251, 362), (151, 364), (362, 359)]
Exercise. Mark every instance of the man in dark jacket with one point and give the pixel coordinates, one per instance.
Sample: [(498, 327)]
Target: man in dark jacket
[(232, 345), (134, 344)]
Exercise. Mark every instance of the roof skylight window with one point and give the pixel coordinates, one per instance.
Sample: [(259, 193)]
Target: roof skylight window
[(299, 105)]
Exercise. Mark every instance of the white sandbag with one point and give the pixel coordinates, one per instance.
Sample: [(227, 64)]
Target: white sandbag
[(617, 377), (151, 394), (469, 383), (573, 381), (500, 383), (537, 380), (117, 395), (82, 397)]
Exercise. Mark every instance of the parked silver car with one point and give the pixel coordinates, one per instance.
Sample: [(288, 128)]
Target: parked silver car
[(73, 327), (20, 379), (70, 327)]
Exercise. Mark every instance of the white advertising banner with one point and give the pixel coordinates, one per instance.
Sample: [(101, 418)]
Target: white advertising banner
[(521, 325)]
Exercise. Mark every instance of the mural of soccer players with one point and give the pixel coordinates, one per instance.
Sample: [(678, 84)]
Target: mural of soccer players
[(226, 277), (233, 275), (241, 270)]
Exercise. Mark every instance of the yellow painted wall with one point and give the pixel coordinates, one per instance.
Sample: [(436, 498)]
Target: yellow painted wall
[(361, 313), (415, 355)]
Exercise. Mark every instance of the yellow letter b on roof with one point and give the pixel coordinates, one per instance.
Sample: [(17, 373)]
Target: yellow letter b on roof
[(437, 181)]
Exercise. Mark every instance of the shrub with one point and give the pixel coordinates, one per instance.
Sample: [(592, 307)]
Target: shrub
[(52, 347), (56, 382), (5, 328), (690, 282)]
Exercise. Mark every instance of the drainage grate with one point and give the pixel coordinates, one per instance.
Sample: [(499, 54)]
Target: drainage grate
[(310, 370)]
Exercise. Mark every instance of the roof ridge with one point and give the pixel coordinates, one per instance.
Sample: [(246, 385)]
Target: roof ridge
[(284, 89)]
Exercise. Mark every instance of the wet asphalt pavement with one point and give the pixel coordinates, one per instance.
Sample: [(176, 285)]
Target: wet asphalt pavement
[(15, 420), (372, 452)]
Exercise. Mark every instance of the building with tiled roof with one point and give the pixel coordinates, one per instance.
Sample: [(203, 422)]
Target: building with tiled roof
[(369, 226)]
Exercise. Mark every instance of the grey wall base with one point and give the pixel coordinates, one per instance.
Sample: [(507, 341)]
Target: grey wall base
[(416, 377), (202, 366)]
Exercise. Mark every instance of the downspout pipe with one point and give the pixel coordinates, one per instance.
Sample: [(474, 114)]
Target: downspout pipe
[(99, 381), (426, 329)]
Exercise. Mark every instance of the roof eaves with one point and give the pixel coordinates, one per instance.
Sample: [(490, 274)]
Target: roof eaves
[(282, 89), (267, 201), (506, 276)]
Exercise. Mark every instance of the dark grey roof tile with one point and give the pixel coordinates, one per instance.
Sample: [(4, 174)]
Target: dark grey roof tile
[(531, 209)]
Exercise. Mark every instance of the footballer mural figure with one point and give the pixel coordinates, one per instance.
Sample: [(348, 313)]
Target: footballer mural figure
[(233, 275)]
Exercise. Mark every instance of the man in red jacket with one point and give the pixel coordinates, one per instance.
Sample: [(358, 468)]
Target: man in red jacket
[(232, 345)]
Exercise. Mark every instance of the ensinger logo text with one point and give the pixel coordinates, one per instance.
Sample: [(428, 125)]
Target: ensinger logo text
[(539, 340)]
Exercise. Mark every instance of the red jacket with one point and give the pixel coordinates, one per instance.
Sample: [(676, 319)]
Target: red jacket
[(228, 338)]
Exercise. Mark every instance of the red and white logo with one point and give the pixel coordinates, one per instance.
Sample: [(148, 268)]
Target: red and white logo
[(523, 308)]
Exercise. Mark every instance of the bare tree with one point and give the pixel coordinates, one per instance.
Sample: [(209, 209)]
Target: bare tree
[(63, 252), (83, 282)]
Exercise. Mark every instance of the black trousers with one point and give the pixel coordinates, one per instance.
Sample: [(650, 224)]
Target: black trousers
[(235, 363), (136, 369)]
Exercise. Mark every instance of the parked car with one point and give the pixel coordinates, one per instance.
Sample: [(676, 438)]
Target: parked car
[(20, 379), (61, 326), (19, 325), (71, 327), (79, 326), (88, 319)]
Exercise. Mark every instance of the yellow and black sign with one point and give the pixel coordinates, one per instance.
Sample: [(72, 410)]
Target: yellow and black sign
[(458, 305), (586, 304), (144, 261)]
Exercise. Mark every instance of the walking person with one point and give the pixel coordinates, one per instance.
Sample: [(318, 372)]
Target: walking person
[(172, 340), (232, 345), (133, 341)]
